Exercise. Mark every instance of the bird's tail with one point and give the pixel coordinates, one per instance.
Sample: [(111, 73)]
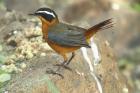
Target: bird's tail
[(101, 26)]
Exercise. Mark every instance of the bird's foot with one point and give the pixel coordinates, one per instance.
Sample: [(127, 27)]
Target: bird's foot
[(54, 73), (63, 66)]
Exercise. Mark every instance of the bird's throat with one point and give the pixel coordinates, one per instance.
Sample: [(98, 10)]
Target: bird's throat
[(45, 30), (45, 25)]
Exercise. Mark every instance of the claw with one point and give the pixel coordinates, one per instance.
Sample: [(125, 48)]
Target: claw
[(64, 66), (55, 73)]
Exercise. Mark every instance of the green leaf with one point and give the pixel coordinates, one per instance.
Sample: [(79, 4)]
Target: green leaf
[(2, 59), (5, 77)]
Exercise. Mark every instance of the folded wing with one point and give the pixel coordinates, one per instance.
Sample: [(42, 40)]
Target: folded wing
[(67, 35)]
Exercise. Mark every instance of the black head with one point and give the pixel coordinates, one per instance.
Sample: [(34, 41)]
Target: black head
[(46, 13)]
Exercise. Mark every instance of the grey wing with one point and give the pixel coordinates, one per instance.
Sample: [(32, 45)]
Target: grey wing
[(70, 37)]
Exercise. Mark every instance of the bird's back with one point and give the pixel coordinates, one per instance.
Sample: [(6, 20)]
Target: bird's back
[(67, 35)]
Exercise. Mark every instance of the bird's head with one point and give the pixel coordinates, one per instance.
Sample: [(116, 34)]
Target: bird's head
[(46, 15)]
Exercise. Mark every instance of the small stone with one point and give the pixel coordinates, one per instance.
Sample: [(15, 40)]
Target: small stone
[(35, 51), (23, 65), (115, 6), (43, 54), (13, 57), (15, 32), (9, 68), (9, 61), (20, 56), (6, 92), (38, 29), (19, 70), (107, 43), (45, 46), (29, 55), (125, 90)]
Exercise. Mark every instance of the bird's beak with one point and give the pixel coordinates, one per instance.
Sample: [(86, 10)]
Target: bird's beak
[(32, 14)]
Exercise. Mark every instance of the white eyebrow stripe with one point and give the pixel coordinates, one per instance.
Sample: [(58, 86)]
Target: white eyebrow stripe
[(50, 13)]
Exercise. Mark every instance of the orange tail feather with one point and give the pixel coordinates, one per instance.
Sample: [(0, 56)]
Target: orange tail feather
[(101, 26)]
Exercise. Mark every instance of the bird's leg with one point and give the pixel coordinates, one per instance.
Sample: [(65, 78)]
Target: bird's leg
[(68, 62), (56, 72)]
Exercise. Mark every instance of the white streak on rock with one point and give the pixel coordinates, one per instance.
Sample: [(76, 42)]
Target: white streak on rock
[(96, 60), (95, 52)]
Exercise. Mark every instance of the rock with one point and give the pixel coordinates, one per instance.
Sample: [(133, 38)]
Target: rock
[(74, 11), (34, 78), (25, 6)]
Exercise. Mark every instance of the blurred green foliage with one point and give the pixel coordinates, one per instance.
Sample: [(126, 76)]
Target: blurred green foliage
[(2, 59), (132, 58), (1, 1), (136, 7), (4, 76), (2, 4), (51, 86)]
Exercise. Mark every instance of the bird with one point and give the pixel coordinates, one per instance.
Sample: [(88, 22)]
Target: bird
[(65, 38)]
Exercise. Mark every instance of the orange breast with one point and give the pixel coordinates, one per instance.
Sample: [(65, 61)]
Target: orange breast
[(61, 49)]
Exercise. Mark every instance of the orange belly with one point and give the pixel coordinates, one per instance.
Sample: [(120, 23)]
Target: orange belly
[(61, 49)]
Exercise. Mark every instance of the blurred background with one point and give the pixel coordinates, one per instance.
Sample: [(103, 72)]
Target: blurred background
[(124, 37)]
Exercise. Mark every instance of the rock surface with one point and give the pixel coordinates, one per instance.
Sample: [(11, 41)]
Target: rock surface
[(34, 78)]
